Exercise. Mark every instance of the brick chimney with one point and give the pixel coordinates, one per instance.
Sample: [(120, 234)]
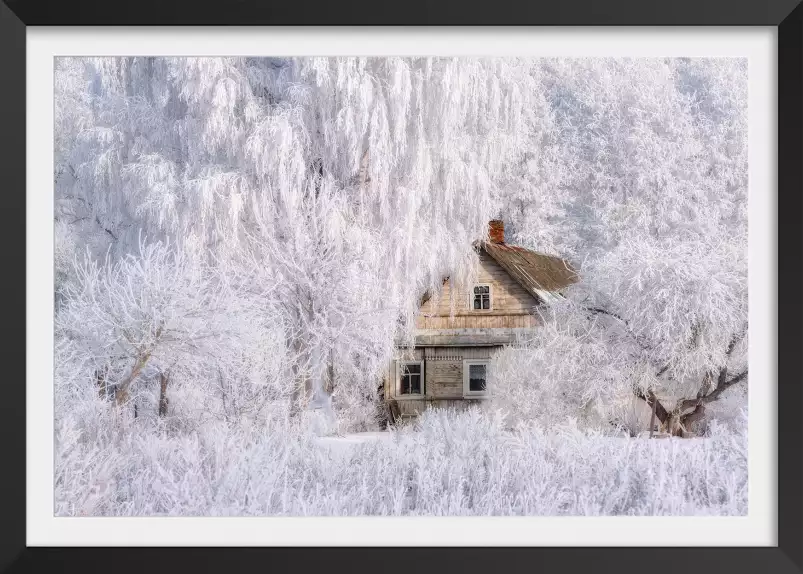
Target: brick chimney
[(496, 231)]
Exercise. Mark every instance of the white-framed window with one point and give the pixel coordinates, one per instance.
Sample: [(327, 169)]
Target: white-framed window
[(481, 297), (410, 378), (475, 377)]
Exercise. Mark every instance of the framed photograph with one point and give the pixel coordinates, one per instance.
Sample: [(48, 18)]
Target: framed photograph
[(441, 297)]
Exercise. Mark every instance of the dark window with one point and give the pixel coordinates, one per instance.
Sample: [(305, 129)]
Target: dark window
[(476, 378), (411, 379), (482, 297)]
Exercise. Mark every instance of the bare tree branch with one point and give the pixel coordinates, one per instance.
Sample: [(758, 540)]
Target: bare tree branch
[(653, 402), (723, 387)]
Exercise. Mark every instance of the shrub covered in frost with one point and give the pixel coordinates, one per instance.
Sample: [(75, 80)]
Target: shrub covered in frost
[(449, 463)]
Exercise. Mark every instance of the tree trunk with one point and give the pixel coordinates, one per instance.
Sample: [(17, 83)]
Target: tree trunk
[(301, 393), (653, 402), (678, 421), (674, 426), (329, 383), (163, 400), (669, 421), (121, 396), (300, 366), (100, 381)]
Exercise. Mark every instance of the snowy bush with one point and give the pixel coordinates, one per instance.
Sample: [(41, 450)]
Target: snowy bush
[(449, 464), (564, 369), (160, 318)]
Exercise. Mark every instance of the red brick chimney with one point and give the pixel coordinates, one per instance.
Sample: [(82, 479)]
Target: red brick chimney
[(496, 231)]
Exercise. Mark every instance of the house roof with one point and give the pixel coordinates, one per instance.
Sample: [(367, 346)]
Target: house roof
[(541, 275)]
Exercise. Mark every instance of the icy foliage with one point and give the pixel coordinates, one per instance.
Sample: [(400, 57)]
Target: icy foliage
[(341, 189), (450, 465), (649, 162), (239, 241), (564, 370), (345, 187)]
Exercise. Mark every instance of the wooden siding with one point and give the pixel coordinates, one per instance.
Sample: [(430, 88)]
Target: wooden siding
[(443, 373), (512, 305), (486, 321), (443, 369), (468, 337)]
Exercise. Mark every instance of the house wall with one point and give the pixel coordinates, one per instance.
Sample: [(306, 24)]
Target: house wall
[(445, 340), (512, 304), (443, 372), (443, 377)]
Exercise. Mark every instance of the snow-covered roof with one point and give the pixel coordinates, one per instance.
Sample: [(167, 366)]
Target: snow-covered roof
[(541, 275)]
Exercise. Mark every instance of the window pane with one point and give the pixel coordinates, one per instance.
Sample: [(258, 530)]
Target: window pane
[(415, 384), (412, 368), (410, 380), (482, 297), (476, 378), (476, 371)]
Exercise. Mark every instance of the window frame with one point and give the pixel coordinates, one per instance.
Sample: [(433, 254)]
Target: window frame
[(490, 298), (467, 392), (400, 364)]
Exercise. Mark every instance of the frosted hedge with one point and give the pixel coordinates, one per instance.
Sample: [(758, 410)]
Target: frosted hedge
[(450, 464)]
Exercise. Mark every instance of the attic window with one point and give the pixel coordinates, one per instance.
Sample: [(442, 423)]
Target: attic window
[(481, 298)]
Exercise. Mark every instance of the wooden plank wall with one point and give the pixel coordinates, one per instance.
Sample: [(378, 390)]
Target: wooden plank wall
[(466, 321), (512, 304), (443, 371)]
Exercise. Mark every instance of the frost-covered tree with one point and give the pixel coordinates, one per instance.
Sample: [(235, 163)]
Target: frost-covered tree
[(157, 316), (652, 167), (337, 190), (346, 186)]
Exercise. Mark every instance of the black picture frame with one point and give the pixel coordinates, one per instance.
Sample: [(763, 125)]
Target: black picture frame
[(787, 15)]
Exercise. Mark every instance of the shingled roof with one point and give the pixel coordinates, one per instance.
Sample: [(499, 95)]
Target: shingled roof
[(541, 275)]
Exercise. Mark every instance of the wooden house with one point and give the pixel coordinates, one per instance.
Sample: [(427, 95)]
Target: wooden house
[(449, 364)]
